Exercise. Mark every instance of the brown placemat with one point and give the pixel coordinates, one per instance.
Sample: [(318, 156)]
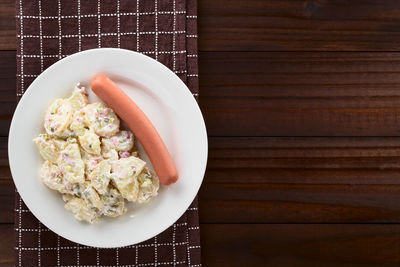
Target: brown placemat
[(48, 30)]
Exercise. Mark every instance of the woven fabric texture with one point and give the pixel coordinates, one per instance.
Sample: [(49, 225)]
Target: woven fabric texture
[(48, 31)]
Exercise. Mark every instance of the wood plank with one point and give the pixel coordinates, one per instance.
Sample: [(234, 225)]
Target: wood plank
[(257, 25), (282, 244), (5, 122), (4, 157), (7, 88), (7, 188), (7, 25), (282, 180), (304, 160), (6, 202), (300, 245), (8, 66), (6, 245), (301, 180), (284, 203), (300, 94)]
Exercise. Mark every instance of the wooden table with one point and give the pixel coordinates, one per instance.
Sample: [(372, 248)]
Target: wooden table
[(302, 105)]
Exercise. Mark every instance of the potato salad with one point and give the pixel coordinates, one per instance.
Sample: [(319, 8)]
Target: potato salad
[(90, 161)]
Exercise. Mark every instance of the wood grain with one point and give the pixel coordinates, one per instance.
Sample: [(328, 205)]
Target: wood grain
[(6, 245), (264, 203), (8, 71), (7, 25), (7, 196), (307, 179), (304, 160), (257, 25), (301, 245), (300, 94)]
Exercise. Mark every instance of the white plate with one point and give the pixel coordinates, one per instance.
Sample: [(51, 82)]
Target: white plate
[(166, 101)]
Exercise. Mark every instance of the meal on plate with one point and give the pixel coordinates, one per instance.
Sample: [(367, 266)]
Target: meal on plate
[(90, 160)]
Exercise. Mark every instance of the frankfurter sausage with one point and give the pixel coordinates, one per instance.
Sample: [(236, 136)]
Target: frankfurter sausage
[(140, 125)]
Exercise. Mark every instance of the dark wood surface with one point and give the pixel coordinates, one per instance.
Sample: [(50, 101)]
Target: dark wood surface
[(302, 105)]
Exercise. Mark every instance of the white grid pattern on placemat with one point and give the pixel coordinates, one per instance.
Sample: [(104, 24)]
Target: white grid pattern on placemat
[(77, 247), (60, 36), (193, 83), (43, 55)]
